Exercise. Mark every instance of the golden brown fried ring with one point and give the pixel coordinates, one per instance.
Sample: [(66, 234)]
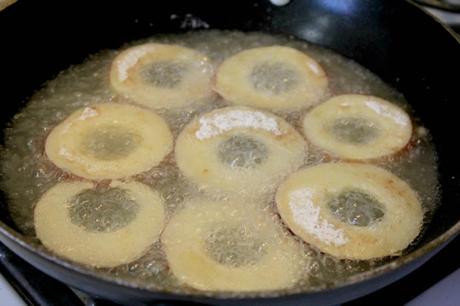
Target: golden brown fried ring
[(276, 77), (162, 76), (239, 149), (109, 141), (230, 246), (99, 228), (350, 210), (358, 127)]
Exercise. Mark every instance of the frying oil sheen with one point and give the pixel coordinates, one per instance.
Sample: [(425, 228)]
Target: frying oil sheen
[(26, 173)]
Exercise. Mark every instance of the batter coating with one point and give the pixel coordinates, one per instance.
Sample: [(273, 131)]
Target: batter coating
[(239, 149), (349, 210), (109, 141), (162, 76), (101, 228), (230, 246), (276, 77), (358, 127)]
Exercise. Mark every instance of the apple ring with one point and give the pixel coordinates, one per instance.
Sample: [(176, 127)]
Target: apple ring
[(276, 77), (358, 127), (225, 246), (239, 149), (109, 141), (162, 76), (102, 228), (349, 210)]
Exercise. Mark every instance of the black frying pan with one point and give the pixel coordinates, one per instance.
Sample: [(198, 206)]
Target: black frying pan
[(395, 39)]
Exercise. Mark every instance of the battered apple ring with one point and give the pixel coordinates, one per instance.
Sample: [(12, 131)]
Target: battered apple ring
[(162, 76), (109, 141), (102, 228), (349, 210), (239, 149), (279, 78), (230, 246), (358, 127)]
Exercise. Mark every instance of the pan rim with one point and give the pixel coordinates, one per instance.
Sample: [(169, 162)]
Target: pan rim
[(355, 279)]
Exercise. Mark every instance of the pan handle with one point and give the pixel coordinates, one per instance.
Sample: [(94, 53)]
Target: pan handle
[(441, 5), (32, 285)]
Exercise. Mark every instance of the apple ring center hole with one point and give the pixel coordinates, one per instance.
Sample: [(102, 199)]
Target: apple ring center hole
[(110, 142), (275, 78), (356, 207), (164, 74), (104, 210), (234, 246), (354, 130), (242, 152)]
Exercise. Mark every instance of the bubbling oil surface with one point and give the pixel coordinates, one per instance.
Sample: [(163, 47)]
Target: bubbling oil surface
[(26, 173)]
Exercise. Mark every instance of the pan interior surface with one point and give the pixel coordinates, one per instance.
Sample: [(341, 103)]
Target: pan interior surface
[(429, 91), (30, 173)]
